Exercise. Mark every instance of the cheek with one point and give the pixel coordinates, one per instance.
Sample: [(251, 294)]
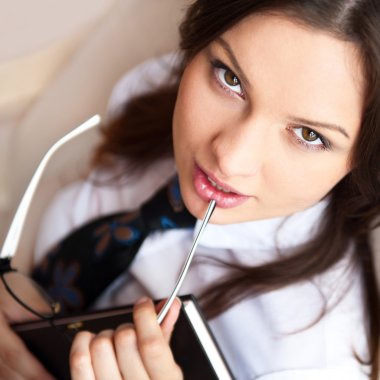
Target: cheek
[(186, 124), (196, 112), (182, 121), (305, 182)]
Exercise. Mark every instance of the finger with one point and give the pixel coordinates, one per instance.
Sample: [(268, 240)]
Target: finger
[(103, 356), (12, 348), (171, 317), (8, 374), (153, 347), (130, 362), (80, 357)]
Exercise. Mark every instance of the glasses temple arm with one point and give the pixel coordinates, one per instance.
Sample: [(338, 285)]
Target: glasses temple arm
[(12, 238)]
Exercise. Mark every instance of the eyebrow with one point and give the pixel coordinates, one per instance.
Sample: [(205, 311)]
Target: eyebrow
[(318, 124), (227, 48)]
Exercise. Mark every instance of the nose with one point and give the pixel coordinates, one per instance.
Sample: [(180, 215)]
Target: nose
[(239, 148)]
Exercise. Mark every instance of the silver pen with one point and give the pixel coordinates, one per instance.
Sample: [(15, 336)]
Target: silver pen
[(185, 268)]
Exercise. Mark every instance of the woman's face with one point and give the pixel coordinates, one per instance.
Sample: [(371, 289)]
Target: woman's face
[(265, 120)]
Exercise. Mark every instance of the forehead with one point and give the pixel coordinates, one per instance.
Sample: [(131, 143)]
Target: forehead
[(305, 71)]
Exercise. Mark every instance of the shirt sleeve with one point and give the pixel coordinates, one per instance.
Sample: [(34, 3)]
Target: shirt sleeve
[(354, 373), (83, 200)]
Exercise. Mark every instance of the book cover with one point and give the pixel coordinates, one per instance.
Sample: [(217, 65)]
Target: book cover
[(194, 346)]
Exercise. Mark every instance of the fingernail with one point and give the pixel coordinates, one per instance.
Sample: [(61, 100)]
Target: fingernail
[(178, 300), (142, 300)]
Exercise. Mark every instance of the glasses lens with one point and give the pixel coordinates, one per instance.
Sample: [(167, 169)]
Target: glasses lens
[(29, 294)]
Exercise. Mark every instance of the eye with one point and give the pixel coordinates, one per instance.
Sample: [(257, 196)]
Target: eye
[(309, 135), (309, 138), (227, 79)]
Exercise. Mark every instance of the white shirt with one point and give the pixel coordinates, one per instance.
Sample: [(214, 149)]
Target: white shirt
[(255, 335), (266, 337)]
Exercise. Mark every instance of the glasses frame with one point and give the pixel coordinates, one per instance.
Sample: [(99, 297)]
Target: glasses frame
[(14, 233), (13, 236), (5, 267)]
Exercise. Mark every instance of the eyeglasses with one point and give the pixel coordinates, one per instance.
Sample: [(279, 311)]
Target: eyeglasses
[(27, 292), (32, 297), (24, 290)]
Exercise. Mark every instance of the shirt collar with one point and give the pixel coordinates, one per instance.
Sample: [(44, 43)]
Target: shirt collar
[(267, 234)]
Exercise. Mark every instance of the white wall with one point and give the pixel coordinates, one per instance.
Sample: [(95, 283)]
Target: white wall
[(58, 68)]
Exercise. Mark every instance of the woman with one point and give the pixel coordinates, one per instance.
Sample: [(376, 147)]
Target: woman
[(276, 116)]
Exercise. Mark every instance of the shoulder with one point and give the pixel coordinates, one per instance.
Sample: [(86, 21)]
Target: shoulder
[(99, 194), (144, 77)]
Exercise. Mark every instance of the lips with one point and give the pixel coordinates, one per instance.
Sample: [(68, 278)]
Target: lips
[(209, 188)]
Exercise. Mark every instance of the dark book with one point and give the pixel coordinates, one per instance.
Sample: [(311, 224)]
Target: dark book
[(194, 347)]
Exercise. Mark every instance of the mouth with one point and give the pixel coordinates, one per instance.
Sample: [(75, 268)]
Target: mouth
[(208, 187)]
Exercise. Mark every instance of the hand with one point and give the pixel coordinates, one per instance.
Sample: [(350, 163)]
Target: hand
[(135, 352), (16, 362)]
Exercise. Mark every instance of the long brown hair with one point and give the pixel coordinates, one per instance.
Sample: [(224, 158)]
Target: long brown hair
[(142, 134)]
